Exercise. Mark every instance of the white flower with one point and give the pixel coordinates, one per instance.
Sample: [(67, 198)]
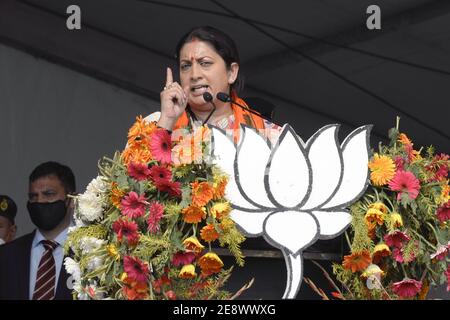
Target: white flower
[(293, 193), (89, 207), (98, 186), (73, 268), (91, 292), (94, 263), (90, 244)]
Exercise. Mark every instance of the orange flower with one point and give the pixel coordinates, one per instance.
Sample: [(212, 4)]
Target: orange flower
[(139, 154), (116, 195), (210, 263), (357, 261), (209, 233), (371, 230), (381, 250), (219, 188), (192, 244), (403, 139), (383, 169), (220, 210), (193, 214), (226, 224), (133, 290), (202, 193), (187, 272), (374, 216), (379, 206), (140, 131)]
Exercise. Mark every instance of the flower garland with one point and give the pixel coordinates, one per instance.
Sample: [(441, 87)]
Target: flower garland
[(145, 225)]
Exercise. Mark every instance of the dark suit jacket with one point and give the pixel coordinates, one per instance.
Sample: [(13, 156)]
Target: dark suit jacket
[(15, 271)]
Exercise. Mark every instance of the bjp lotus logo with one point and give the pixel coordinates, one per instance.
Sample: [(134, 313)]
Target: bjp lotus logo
[(293, 193)]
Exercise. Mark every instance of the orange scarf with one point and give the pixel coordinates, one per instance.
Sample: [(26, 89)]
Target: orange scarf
[(241, 116)]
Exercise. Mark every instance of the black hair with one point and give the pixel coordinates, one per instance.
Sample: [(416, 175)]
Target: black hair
[(221, 42), (62, 172)]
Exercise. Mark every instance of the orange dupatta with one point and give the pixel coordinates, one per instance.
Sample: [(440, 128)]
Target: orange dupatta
[(241, 116)]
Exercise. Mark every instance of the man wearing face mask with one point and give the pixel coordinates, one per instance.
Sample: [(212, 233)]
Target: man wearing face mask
[(8, 210), (31, 267)]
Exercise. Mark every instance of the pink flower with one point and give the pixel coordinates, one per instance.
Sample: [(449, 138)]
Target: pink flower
[(183, 258), (133, 205), (441, 252), (447, 273), (155, 215), (399, 255), (407, 287), (138, 171), (443, 212), (127, 229), (399, 163), (396, 239), (405, 181), (136, 270), (160, 174), (440, 171), (161, 146)]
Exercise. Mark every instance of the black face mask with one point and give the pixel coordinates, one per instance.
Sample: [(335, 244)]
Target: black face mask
[(47, 215)]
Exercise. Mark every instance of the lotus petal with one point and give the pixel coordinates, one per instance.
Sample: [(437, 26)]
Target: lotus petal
[(324, 154), (293, 230), (355, 154), (252, 156), (289, 172), (251, 223), (332, 223)]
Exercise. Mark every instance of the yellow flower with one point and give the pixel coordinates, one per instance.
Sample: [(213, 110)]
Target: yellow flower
[(374, 216), (373, 270), (381, 250), (220, 210), (445, 194), (187, 272), (123, 276), (383, 169), (379, 206), (210, 263), (226, 224), (396, 220), (193, 244), (113, 252)]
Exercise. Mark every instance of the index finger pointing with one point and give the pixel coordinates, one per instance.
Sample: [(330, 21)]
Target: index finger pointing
[(169, 77)]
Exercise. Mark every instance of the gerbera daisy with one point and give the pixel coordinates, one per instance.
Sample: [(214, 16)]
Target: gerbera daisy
[(136, 154), (133, 205), (138, 171), (187, 272), (219, 188), (183, 258), (209, 233), (161, 146), (156, 212), (210, 263), (381, 250), (173, 188), (405, 182), (443, 212), (383, 169), (357, 261), (127, 229), (192, 244), (220, 210), (136, 269), (116, 195), (202, 193), (135, 291), (396, 239), (374, 216), (407, 288), (159, 174), (379, 206), (396, 220), (193, 214), (140, 130), (441, 252)]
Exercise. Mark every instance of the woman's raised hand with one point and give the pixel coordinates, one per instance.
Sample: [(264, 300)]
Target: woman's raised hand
[(173, 102)]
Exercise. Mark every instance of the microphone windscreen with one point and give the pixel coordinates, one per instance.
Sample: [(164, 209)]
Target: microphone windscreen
[(222, 96), (207, 96)]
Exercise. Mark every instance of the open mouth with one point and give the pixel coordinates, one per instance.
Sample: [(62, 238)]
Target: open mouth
[(199, 89)]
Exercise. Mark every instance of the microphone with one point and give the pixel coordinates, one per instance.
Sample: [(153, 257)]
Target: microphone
[(208, 98), (222, 96)]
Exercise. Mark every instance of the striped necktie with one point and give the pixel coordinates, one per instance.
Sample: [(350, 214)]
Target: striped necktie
[(44, 288)]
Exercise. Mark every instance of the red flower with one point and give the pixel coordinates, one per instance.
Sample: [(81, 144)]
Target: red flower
[(447, 273), (160, 283), (171, 295), (159, 174), (399, 163), (127, 229), (173, 188), (441, 252), (133, 205), (161, 146), (136, 270), (440, 171), (396, 239), (138, 171), (183, 258), (443, 212), (405, 182), (407, 287), (156, 213)]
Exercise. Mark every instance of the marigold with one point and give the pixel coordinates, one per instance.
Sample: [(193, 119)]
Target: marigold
[(192, 244), (220, 210), (374, 216), (210, 263), (357, 261), (209, 233), (383, 169), (187, 272), (202, 193), (193, 214)]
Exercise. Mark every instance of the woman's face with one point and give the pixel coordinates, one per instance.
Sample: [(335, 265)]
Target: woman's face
[(203, 69)]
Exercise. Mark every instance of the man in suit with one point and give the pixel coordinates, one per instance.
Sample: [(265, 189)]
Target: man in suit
[(31, 267), (8, 210)]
